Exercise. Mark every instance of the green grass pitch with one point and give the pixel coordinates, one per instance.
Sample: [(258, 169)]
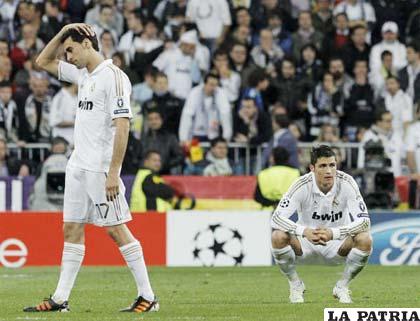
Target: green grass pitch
[(205, 293)]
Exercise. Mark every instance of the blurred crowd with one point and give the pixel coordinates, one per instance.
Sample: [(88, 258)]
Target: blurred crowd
[(221, 71)]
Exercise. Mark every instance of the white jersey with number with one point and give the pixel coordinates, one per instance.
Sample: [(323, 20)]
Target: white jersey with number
[(342, 209), (103, 95)]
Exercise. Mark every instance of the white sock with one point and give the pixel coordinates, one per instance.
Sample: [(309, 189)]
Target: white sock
[(133, 255), (285, 258), (355, 262), (71, 261)]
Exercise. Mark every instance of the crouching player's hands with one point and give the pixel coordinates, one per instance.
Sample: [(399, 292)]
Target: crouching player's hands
[(314, 236), (325, 234)]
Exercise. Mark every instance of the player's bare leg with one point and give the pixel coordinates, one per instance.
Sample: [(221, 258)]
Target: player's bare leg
[(73, 254), (132, 252), (284, 250), (357, 250)]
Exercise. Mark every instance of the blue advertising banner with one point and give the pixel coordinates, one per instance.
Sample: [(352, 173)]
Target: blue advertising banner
[(396, 238)]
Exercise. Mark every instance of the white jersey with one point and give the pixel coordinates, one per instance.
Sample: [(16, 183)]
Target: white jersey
[(413, 142), (104, 94), (342, 209)]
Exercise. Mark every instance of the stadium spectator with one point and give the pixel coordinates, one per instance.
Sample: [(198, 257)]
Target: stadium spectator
[(267, 53), (391, 141), (258, 84), (4, 48), (322, 18), (212, 18), (263, 10), (230, 80), (242, 17), (116, 21), (342, 80), (9, 121), (35, 114), (128, 39), (356, 49), (305, 34), (390, 43), (157, 138), (310, 69), (169, 106), (104, 22), (399, 104), (251, 125), (9, 166), (48, 192), (5, 68), (149, 38), (358, 12), (107, 44), (241, 34), (217, 161), (324, 105), (171, 12), (282, 137), (377, 78), (273, 182), (290, 90), (52, 20), (413, 26), (241, 62), (149, 191), (409, 76), (359, 107), (206, 112), (143, 92), (180, 66), (63, 112), (281, 36), (334, 41)]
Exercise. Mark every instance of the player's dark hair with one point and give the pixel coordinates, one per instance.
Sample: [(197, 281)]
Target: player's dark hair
[(76, 36), (280, 156), (321, 151), (217, 140)]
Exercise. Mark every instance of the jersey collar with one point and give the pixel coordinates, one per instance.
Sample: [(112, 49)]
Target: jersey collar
[(316, 189), (101, 66)]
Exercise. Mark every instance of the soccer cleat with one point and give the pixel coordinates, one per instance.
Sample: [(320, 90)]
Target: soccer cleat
[(342, 293), (142, 305), (49, 305), (296, 292)]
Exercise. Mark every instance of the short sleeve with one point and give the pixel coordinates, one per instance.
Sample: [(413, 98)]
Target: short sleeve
[(68, 72), (118, 94)]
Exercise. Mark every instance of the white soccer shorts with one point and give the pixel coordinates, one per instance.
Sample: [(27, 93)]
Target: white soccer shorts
[(85, 200), (312, 253)]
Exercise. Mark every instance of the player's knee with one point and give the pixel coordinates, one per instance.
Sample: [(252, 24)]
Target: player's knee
[(363, 241), (74, 233), (279, 239)]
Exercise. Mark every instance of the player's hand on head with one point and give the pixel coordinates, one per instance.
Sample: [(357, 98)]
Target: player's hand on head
[(82, 28), (112, 187)]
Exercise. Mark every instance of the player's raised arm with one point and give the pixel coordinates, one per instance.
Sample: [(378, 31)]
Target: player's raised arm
[(47, 59)]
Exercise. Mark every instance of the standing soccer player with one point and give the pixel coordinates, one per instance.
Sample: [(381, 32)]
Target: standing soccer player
[(325, 200), (94, 192)]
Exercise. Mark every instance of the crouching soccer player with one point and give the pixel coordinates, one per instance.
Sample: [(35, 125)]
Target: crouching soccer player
[(325, 200)]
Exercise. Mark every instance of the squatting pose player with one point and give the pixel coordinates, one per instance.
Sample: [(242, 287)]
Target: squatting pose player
[(94, 192), (333, 224)]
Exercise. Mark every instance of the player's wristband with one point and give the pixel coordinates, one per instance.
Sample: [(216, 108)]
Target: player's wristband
[(336, 233), (299, 230)]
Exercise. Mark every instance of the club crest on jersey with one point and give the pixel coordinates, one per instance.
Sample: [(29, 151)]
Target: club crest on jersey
[(120, 102), (362, 206), (284, 202)]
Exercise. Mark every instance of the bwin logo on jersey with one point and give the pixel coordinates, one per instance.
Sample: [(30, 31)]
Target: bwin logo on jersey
[(85, 105), (328, 217)]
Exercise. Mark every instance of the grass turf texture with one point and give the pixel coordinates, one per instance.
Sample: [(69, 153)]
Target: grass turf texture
[(205, 293)]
